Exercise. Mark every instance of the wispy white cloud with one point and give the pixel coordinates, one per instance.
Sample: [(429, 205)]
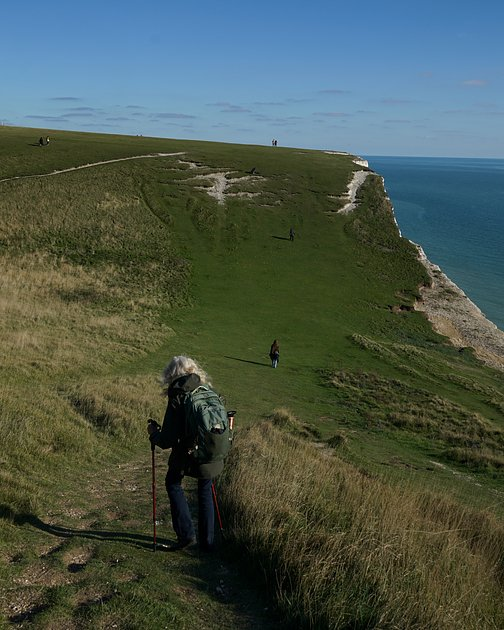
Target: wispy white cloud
[(83, 112), (56, 119), (230, 108), (277, 120), (397, 101), (83, 109), (235, 109), (269, 103), (475, 82), (299, 100), (174, 115), (80, 115), (331, 114), (99, 125), (65, 98), (333, 91), (464, 112)]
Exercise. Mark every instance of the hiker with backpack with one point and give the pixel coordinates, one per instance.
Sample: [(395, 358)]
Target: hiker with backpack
[(196, 428)]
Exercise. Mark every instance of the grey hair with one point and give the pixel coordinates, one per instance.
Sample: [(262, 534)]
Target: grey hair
[(180, 366)]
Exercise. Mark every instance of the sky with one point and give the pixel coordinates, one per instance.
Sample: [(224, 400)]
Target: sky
[(417, 78)]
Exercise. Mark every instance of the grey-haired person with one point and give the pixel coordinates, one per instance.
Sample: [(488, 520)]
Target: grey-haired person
[(180, 376)]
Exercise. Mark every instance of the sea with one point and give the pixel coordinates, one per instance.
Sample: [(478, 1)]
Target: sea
[(454, 209)]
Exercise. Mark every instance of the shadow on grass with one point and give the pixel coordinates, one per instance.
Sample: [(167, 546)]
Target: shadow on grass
[(224, 583), (140, 541), (247, 361), (281, 238)]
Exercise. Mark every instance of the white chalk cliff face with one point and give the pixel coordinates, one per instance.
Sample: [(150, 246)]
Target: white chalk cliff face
[(453, 314), (361, 162), (445, 305)]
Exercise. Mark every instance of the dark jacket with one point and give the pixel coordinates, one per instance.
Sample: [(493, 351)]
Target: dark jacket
[(173, 433), (274, 351)]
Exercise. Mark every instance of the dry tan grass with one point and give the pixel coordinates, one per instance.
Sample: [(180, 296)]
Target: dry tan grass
[(49, 344), (117, 406), (347, 550), (80, 292), (43, 330)]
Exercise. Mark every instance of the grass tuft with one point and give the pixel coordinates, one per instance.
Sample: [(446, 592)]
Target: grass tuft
[(285, 419)]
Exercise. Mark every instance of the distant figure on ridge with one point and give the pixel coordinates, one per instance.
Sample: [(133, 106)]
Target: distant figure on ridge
[(291, 234), (274, 353)]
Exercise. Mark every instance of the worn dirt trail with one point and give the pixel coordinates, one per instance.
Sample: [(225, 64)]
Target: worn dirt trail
[(98, 544), (90, 165)]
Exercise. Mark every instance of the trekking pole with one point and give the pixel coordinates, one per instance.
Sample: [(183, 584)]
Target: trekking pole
[(153, 447), (230, 416), (217, 508)]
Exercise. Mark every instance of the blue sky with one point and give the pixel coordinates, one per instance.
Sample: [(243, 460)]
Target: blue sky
[(372, 78)]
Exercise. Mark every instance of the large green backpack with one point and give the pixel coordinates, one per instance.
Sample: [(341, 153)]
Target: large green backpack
[(207, 422)]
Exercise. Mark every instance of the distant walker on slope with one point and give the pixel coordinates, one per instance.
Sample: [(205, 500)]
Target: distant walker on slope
[(274, 353)]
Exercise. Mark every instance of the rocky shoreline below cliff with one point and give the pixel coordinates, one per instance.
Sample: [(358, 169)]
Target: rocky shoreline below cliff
[(453, 314), (445, 305)]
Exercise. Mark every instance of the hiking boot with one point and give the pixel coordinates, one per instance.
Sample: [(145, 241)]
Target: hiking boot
[(182, 544)]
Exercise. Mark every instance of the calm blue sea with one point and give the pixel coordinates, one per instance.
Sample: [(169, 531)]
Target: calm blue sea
[(454, 209)]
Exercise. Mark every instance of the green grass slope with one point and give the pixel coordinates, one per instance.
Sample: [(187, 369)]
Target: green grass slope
[(109, 270)]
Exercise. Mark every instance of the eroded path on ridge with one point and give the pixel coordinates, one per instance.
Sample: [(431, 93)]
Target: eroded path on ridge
[(89, 564), (90, 165)]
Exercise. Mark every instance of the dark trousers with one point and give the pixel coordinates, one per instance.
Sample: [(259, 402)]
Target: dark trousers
[(181, 517)]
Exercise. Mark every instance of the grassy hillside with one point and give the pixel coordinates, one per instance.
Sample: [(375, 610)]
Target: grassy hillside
[(109, 270)]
